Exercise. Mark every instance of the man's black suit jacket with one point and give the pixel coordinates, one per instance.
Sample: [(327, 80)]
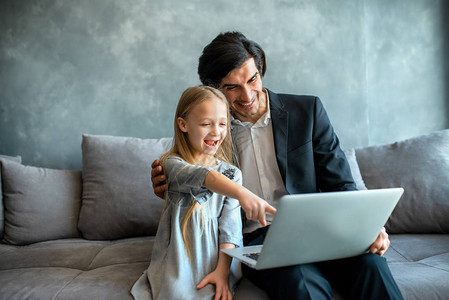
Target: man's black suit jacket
[(307, 149)]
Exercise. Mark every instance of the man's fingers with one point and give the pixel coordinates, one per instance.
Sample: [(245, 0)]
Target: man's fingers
[(378, 247), (157, 180), (160, 190), (155, 163), (156, 171), (375, 247), (380, 251)]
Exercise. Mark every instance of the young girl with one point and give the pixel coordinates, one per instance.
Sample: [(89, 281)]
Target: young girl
[(201, 213)]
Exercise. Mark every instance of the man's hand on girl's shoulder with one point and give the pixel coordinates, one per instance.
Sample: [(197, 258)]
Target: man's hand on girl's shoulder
[(158, 179)]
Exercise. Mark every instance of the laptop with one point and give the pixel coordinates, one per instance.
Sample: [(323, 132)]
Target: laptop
[(321, 226)]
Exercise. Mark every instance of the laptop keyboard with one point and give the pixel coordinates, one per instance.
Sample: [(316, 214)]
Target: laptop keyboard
[(253, 256)]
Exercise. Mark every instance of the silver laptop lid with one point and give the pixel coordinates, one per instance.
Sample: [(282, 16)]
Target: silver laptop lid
[(323, 226)]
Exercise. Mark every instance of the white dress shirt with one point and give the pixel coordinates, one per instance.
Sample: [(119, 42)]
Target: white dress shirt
[(257, 160)]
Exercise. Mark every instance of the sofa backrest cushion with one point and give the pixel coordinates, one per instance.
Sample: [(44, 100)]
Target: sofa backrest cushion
[(17, 159), (421, 166), (40, 204), (118, 198), (352, 161)]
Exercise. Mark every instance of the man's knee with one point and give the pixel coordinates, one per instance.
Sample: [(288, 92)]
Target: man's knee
[(373, 263), (377, 281), (301, 282)]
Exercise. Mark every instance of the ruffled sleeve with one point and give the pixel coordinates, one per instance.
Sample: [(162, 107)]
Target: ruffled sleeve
[(187, 178), (230, 221)]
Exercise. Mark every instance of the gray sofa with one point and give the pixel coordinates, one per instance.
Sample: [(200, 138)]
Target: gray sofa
[(88, 235)]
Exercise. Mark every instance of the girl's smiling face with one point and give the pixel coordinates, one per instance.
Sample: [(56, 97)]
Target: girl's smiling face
[(206, 128)]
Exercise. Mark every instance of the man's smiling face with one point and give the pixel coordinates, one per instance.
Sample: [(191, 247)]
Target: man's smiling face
[(243, 89)]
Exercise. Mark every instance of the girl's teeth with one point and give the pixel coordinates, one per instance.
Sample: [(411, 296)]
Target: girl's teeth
[(211, 143)]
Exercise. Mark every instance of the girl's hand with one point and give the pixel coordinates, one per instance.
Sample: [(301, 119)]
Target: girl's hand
[(220, 280), (255, 208)]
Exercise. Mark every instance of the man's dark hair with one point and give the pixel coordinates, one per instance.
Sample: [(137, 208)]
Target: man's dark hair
[(225, 53)]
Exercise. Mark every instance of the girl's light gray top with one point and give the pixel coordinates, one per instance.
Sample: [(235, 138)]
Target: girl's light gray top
[(172, 274)]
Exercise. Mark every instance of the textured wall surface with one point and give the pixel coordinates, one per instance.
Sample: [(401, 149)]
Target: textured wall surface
[(118, 67), (407, 68)]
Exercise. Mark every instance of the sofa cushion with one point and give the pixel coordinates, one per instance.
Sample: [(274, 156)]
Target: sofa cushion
[(118, 198), (421, 166), (40, 204), (73, 268), (77, 253), (17, 159), (352, 160), (420, 264)]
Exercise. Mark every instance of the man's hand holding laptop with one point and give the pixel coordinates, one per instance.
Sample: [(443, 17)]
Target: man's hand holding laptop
[(381, 243)]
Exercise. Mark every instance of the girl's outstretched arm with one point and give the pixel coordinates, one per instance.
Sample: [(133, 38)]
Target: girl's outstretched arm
[(254, 206), (219, 277)]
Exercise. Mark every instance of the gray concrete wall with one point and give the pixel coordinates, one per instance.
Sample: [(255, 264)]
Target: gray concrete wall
[(118, 67)]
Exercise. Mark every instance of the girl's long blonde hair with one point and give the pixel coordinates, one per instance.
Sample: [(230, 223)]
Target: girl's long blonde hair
[(181, 147)]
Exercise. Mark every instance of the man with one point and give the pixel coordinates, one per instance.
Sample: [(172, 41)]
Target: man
[(286, 145)]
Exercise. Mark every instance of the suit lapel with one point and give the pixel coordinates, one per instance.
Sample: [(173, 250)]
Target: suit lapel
[(279, 118)]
